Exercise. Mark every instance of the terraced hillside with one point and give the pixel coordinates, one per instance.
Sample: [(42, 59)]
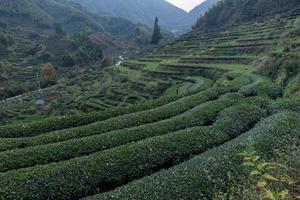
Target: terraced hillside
[(80, 46), (76, 42), (225, 92), (83, 90)]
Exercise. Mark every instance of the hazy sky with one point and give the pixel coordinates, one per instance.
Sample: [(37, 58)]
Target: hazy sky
[(186, 4)]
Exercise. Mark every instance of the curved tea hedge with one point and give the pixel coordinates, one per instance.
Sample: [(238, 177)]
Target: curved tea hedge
[(52, 124), (241, 116), (236, 81), (292, 104), (47, 125), (215, 171), (125, 121), (198, 116), (115, 166), (262, 87), (147, 116)]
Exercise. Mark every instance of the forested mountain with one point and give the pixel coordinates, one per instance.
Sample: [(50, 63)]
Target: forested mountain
[(198, 11), (139, 11), (45, 14), (229, 12), (144, 11), (35, 32), (41, 18)]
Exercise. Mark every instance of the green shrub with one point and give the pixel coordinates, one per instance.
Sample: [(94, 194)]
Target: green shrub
[(292, 104), (198, 116), (260, 101), (113, 167), (66, 180), (6, 40), (68, 60), (262, 87), (217, 171), (293, 88), (244, 115), (233, 80)]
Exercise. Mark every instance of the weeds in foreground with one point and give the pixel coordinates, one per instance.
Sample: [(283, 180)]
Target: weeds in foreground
[(274, 181)]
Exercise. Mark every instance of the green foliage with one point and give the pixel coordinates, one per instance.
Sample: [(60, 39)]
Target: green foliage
[(141, 11), (156, 36), (186, 142), (245, 114), (121, 122), (282, 69), (68, 60), (88, 51), (52, 124), (230, 12), (262, 87), (24, 9), (293, 87), (15, 90), (113, 167), (273, 179), (6, 40), (292, 104), (59, 30), (152, 87), (118, 165), (216, 172), (234, 81), (203, 114)]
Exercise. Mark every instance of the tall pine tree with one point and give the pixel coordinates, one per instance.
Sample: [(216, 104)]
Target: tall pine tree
[(156, 37)]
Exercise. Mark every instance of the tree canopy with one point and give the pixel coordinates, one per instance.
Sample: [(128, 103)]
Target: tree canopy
[(156, 37), (228, 12)]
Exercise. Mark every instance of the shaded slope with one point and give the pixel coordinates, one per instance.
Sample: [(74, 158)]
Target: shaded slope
[(197, 12), (139, 11), (230, 12), (45, 14)]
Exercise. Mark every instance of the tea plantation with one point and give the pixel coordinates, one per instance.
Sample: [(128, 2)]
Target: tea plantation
[(212, 95)]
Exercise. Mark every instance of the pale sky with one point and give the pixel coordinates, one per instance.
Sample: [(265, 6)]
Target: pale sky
[(186, 4)]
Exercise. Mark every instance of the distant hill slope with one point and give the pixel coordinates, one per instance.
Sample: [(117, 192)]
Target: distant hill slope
[(34, 32), (144, 11), (45, 13), (199, 11), (42, 16), (139, 11), (229, 12)]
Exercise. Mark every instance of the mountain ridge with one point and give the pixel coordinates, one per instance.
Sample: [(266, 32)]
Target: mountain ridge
[(170, 16)]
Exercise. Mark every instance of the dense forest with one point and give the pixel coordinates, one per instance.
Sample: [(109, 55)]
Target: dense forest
[(230, 12)]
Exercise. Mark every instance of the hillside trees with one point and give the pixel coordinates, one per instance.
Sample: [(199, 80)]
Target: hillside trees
[(156, 37), (49, 74), (6, 40), (229, 12), (107, 60), (59, 30), (68, 60), (3, 72), (3, 25), (89, 51)]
